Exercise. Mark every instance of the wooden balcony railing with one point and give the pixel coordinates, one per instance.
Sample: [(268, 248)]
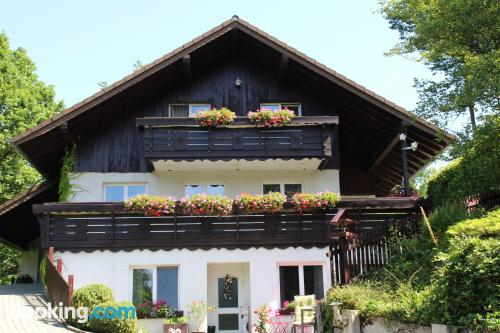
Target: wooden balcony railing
[(181, 139), (88, 226)]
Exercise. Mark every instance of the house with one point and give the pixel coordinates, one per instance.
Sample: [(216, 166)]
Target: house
[(139, 136)]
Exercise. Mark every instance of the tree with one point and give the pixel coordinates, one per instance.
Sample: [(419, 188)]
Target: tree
[(459, 41), (25, 101)]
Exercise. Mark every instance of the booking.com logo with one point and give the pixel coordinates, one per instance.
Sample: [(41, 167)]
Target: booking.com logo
[(81, 314)]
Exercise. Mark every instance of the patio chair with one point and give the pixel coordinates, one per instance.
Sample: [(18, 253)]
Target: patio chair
[(305, 314)]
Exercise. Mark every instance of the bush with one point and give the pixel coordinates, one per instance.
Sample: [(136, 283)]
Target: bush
[(465, 290), (119, 324), (447, 215), (475, 171), (90, 296), (488, 226)]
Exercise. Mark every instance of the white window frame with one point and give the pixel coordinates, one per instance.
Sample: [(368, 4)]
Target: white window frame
[(281, 105), (190, 107), (154, 269), (204, 186), (301, 265), (282, 185), (125, 189)]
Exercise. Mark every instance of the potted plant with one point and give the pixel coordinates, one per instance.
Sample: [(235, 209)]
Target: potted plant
[(175, 325), (268, 118), (197, 312), (308, 202), (206, 205), (150, 205), (214, 117), (269, 203), (288, 308)]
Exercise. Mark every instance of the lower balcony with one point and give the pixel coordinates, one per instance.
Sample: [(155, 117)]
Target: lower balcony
[(94, 226)]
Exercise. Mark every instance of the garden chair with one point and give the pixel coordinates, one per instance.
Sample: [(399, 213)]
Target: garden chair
[(305, 314)]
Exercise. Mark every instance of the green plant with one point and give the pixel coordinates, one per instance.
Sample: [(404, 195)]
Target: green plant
[(269, 203), (487, 226), (176, 320), (304, 202), (41, 269), (197, 311), (125, 320), (66, 190), (262, 319), (150, 205), (268, 118), (214, 117), (90, 296), (202, 204)]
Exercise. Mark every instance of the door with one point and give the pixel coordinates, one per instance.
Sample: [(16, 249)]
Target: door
[(228, 311)]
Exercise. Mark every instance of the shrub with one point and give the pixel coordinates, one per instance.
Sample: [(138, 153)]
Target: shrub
[(475, 171), (488, 226), (151, 205), (465, 290), (90, 296), (304, 202), (160, 309), (268, 118), (202, 204), (448, 214), (125, 322), (214, 117), (269, 203)]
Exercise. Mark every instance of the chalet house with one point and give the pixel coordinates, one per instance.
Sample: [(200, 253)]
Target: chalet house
[(139, 136)]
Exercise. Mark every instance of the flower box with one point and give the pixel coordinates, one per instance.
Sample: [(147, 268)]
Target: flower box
[(150, 205), (310, 202), (206, 205), (268, 118), (270, 203), (214, 117)]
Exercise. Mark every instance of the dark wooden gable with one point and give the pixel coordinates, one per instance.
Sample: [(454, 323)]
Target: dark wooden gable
[(204, 70)]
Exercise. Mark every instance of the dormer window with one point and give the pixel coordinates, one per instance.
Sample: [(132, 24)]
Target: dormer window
[(186, 110), (295, 107)]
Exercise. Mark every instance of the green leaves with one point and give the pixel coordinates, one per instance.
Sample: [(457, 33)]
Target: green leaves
[(459, 41)]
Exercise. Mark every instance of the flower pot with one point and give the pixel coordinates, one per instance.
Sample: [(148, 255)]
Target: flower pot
[(172, 328)]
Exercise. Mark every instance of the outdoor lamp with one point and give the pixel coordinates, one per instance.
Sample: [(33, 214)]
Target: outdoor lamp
[(402, 136), (404, 149), (237, 82)]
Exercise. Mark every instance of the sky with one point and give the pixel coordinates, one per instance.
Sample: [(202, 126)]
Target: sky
[(76, 44)]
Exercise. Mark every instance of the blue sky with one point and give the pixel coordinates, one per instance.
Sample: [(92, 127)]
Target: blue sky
[(76, 44)]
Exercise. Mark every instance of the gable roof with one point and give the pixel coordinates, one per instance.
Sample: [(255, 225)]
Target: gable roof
[(43, 145), (233, 23)]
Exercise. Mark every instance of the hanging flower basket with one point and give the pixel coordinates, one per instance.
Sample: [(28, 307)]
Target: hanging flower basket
[(268, 118), (269, 203), (215, 117), (151, 205), (307, 202), (206, 205)]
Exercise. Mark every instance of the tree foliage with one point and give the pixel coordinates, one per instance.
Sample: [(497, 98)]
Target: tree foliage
[(475, 171), (459, 41), (25, 101)]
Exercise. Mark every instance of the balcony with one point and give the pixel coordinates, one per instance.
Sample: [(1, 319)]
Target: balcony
[(181, 139), (91, 226)]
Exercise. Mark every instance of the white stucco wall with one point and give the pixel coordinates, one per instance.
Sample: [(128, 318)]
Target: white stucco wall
[(114, 270), (89, 185)]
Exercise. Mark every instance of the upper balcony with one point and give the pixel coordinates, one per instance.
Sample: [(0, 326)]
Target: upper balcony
[(170, 140)]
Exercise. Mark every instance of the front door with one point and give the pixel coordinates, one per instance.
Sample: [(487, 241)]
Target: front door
[(229, 293)]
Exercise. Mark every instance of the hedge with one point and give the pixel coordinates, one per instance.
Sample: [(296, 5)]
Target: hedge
[(475, 171)]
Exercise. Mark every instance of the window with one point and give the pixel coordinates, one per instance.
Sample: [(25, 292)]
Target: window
[(287, 189), (301, 280), (295, 107), (186, 110), (121, 192), (154, 284), (190, 190)]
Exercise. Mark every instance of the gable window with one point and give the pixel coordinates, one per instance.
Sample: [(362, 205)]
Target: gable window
[(186, 110), (295, 107), (155, 284), (121, 192), (211, 189), (300, 280), (287, 189)]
